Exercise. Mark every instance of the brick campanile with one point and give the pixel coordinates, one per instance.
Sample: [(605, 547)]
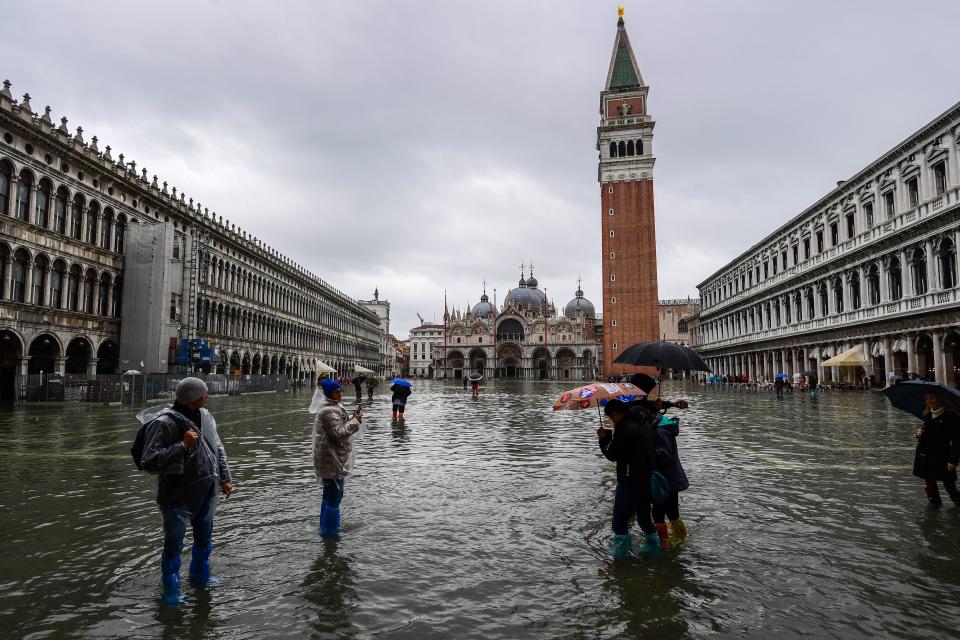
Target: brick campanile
[(625, 143)]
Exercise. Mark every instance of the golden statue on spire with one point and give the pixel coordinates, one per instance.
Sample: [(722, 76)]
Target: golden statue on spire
[(620, 11)]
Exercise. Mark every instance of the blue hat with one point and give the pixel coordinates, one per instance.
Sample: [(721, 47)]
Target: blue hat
[(329, 386)]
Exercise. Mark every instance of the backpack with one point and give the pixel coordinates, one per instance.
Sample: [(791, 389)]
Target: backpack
[(140, 442), (659, 487)]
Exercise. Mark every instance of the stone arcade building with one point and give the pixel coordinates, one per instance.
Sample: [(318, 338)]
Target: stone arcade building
[(871, 266), (102, 267)]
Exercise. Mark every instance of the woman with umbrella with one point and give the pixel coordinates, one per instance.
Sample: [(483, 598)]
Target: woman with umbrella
[(938, 448)]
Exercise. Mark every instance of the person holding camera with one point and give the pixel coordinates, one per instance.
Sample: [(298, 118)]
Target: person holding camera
[(332, 448)]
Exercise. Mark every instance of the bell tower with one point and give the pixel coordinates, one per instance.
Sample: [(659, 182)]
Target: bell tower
[(625, 144)]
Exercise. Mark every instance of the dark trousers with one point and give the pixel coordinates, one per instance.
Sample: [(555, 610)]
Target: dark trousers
[(359, 391), (933, 493), (669, 509), (332, 492), (629, 500)]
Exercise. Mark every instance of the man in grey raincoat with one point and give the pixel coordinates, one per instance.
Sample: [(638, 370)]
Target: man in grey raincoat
[(182, 447), (332, 447)]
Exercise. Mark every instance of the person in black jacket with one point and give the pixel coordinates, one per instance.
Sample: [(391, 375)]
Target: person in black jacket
[(631, 446), (647, 384), (938, 449)]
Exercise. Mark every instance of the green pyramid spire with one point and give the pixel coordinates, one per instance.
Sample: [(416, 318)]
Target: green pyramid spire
[(624, 75)]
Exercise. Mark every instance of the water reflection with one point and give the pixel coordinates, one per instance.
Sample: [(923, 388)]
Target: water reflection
[(486, 518), (329, 586)]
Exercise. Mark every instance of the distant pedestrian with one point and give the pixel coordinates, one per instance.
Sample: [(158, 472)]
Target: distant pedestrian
[(938, 449), (631, 446), (372, 383), (891, 378), (332, 450), (358, 381), (475, 388), (465, 381), (399, 395), (182, 447), (778, 386)]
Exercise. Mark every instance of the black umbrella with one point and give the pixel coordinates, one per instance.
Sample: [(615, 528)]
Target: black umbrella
[(908, 395), (662, 355)]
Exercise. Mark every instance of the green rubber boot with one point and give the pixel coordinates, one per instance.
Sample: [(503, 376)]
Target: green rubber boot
[(621, 546)]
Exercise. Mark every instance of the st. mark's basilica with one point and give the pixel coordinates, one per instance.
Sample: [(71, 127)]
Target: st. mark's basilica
[(526, 337)]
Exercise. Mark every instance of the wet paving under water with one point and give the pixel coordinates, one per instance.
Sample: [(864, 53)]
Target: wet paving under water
[(486, 519)]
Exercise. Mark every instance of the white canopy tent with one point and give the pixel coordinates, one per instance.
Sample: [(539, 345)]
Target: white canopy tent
[(358, 369)]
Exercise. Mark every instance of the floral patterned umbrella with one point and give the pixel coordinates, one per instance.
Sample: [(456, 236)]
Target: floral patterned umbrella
[(597, 395)]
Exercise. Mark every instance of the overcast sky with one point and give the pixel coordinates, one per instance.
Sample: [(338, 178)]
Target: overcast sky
[(423, 146)]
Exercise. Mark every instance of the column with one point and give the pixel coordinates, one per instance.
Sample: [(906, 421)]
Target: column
[(887, 359), (868, 367), (28, 284), (92, 367), (939, 366), (932, 283), (819, 356), (8, 285), (32, 204), (12, 196), (96, 296), (45, 301), (905, 275), (110, 300), (911, 353), (60, 366), (24, 362), (884, 282)]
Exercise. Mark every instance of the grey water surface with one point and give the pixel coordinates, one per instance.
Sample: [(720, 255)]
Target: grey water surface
[(486, 519)]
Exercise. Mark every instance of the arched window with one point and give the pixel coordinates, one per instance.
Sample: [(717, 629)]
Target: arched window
[(855, 290), (948, 264), (918, 271), (824, 301), (117, 297), (896, 280), (119, 231), (76, 217), (104, 294), (5, 173), (4, 260), (39, 280), (60, 211), (93, 216), (639, 147), (56, 284), (23, 195), (629, 147), (88, 286), (838, 295), (613, 149), (106, 229), (43, 204), (73, 288), (21, 262), (621, 148), (873, 285)]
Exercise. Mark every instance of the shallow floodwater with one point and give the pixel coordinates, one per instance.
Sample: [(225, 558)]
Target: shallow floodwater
[(486, 519)]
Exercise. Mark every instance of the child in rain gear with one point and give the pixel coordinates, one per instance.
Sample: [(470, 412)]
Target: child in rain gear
[(668, 463), (938, 449)]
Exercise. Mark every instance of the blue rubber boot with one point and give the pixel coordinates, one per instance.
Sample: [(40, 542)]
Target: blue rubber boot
[(323, 511), (621, 546), (651, 543), (200, 567), (330, 523), (171, 582)]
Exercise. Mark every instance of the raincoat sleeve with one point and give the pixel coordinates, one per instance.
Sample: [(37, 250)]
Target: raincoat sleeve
[(663, 454), (223, 467), (336, 428), (163, 451), (610, 448)]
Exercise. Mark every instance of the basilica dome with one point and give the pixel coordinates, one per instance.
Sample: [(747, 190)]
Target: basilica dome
[(581, 305), (483, 309)]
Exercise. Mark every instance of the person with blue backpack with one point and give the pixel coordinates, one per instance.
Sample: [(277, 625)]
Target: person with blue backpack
[(181, 446), (631, 445)]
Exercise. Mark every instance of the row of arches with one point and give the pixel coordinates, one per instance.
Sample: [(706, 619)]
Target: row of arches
[(39, 201), (912, 271), (509, 361), (55, 282), (49, 353), (626, 148), (253, 285), (226, 320)]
